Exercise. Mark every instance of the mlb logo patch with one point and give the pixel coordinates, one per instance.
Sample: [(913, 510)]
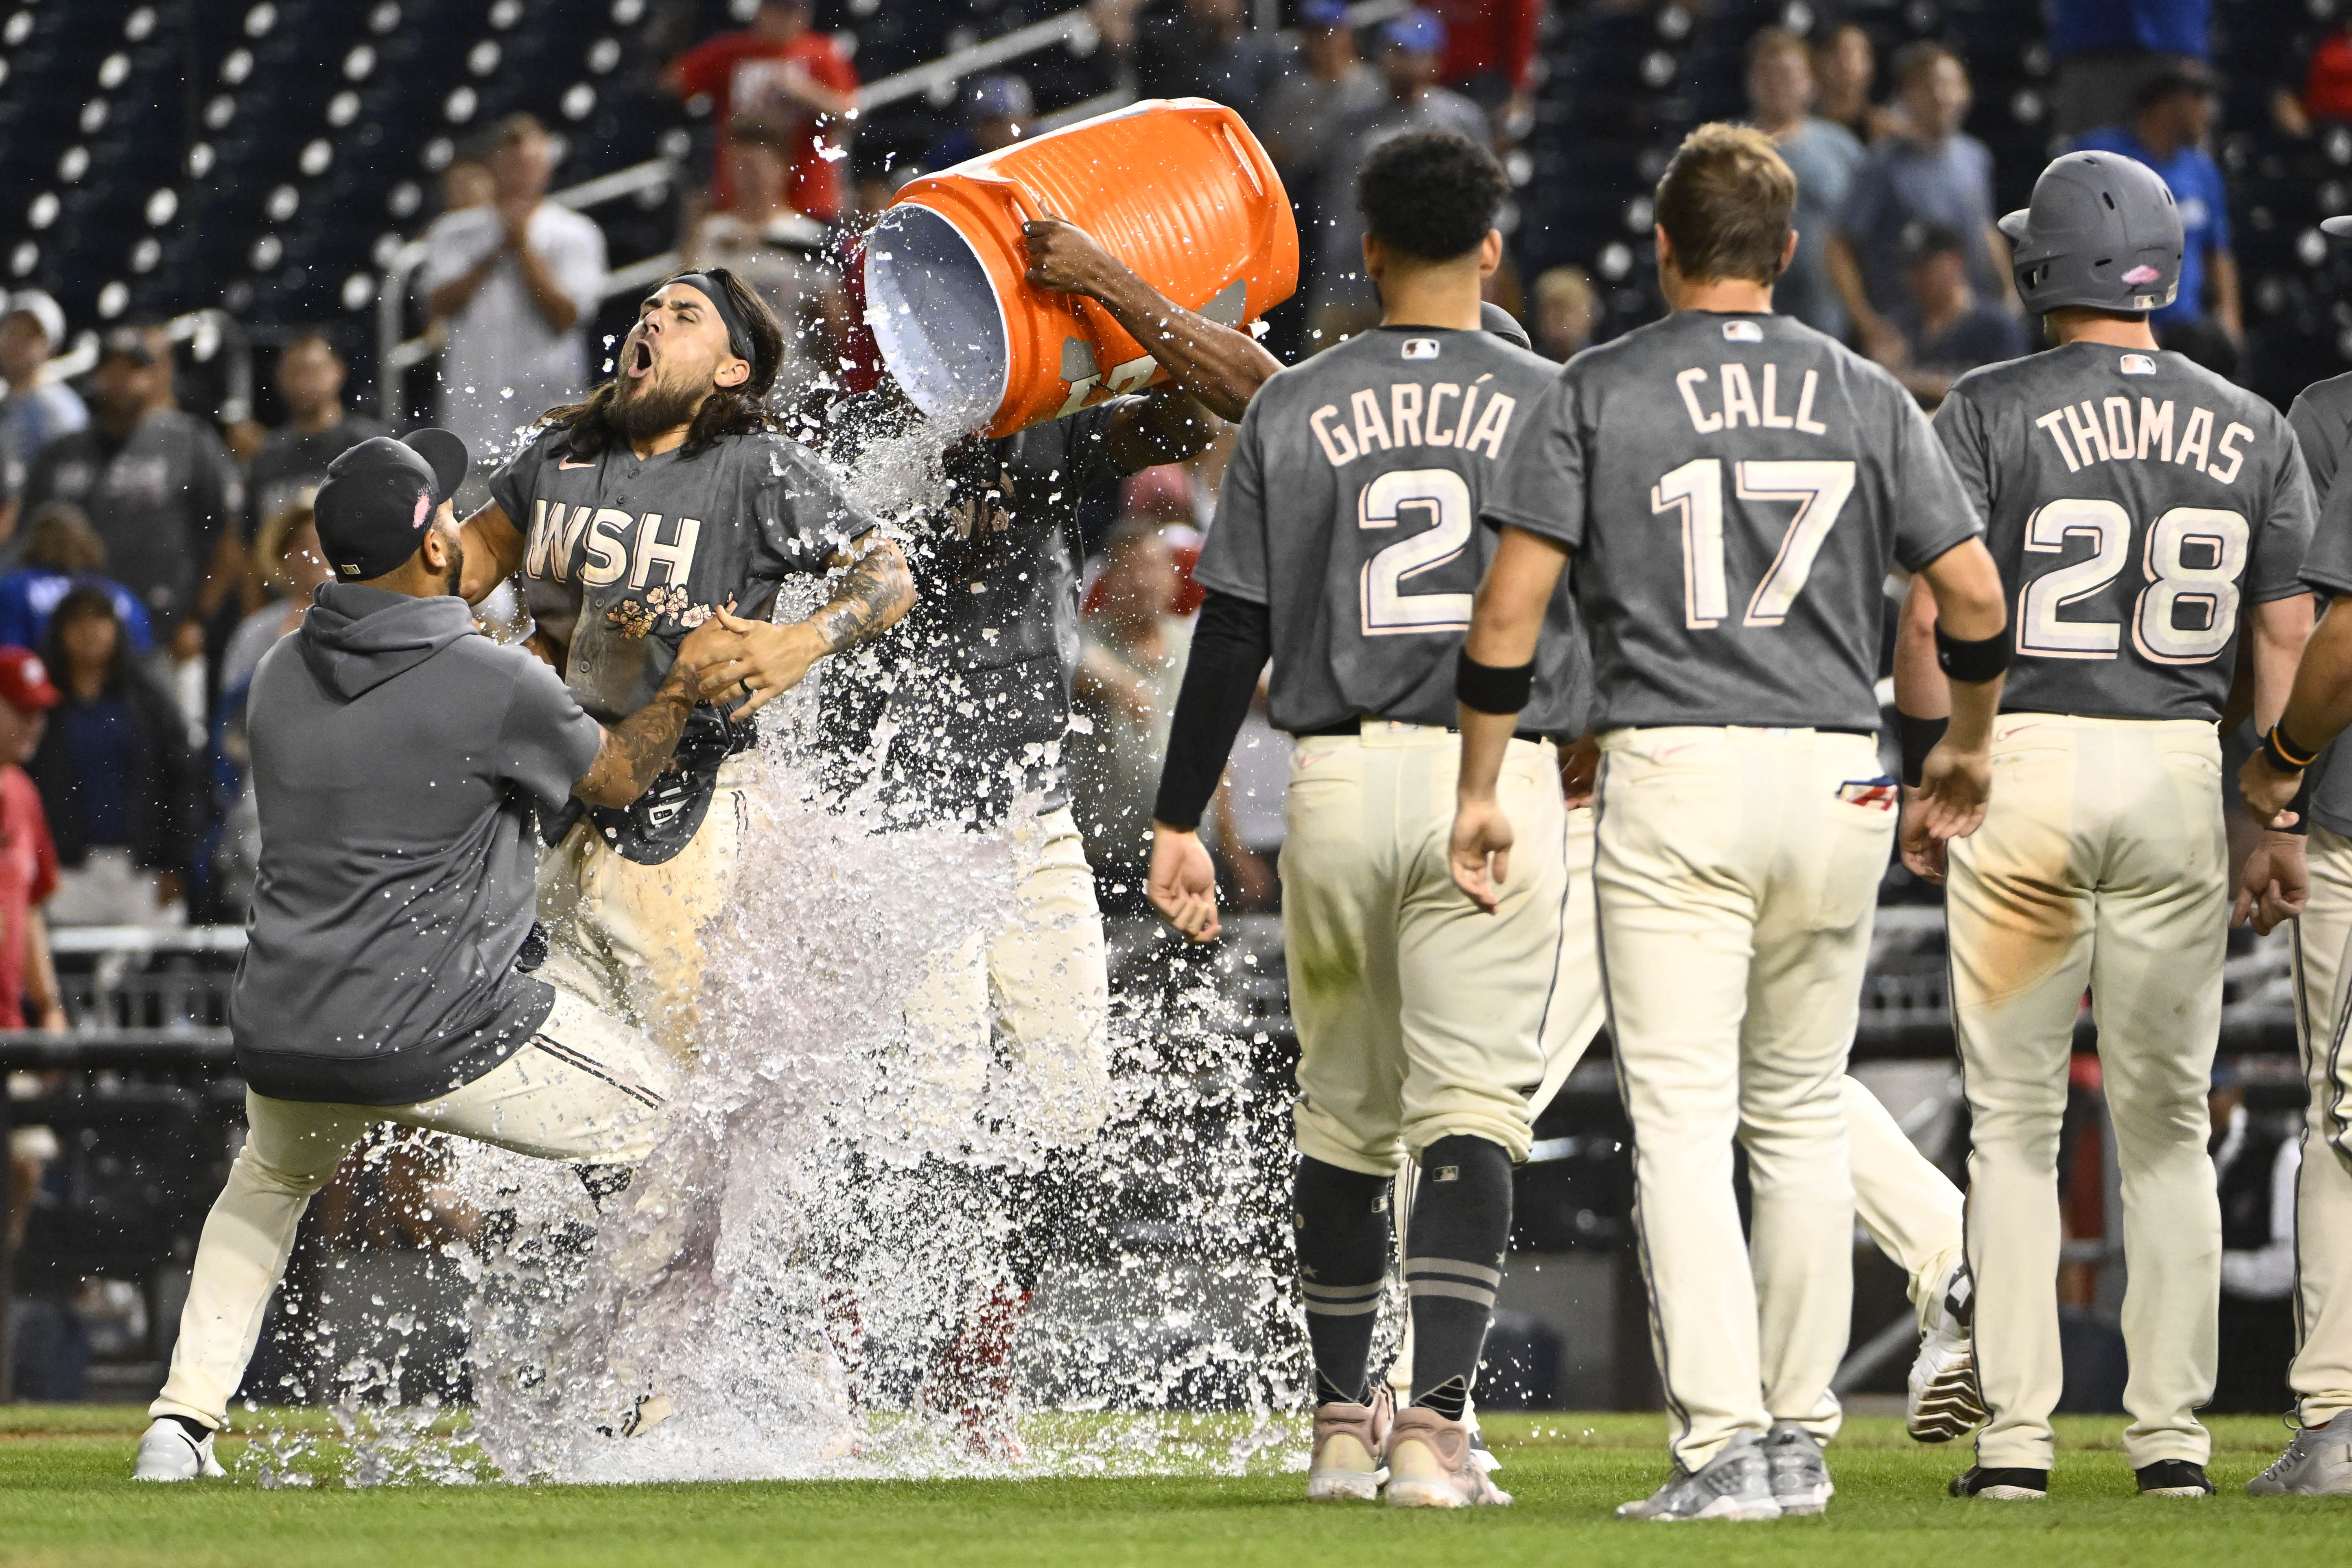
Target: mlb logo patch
[(1879, 794), (1421, 347), (2138, 365), (1742, 332)]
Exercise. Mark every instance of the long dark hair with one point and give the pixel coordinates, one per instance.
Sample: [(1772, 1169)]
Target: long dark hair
[(88, 600), (590, 428)]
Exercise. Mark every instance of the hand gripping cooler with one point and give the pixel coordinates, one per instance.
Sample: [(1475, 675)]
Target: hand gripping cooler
[(1176, 188)]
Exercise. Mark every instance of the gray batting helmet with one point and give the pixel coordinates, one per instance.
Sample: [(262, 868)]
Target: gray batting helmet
[(1503, 325), (2103, 232)]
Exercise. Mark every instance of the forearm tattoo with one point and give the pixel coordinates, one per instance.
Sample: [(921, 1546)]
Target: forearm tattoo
[(875, 591), (640, 746)]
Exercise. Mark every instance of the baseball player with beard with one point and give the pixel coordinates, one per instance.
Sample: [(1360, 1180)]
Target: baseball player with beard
[(665, 500), (2150, 518), (1733, 485), (2318, 1459)]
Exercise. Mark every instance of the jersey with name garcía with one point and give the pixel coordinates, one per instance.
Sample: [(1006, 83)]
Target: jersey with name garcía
[(2135, 502), (1350, 511), (1734, 488)]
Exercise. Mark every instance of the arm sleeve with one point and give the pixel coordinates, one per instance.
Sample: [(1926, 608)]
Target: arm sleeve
[(1233, 558), (2284, 533), (579, 267), (547, 743), (1230, 644), (1935, 508), (450, 251), (1960, 429), (516, 481), (1542, 487), (2317, 444)]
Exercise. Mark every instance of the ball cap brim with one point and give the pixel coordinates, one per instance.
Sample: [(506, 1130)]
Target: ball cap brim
[(24, 682), (446, 450), (2340, 227)]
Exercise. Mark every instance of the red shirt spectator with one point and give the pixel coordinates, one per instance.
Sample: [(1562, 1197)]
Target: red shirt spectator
[(28, 861), (779, 70), (1492, 38)]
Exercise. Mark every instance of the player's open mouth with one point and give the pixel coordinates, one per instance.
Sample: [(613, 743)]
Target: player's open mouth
[(641, 359)]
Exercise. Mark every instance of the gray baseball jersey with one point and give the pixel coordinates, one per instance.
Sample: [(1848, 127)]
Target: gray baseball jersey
[(652, 545), (2133, 501), (1350, 512), (2322, 421), (1734, 488)]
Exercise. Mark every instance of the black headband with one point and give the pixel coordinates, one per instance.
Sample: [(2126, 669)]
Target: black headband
[(740, 342)]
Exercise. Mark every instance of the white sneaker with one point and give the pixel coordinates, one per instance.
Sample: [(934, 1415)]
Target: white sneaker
[(1349, 1439), (2317, 1463), (166, 1453), (1431, 1465), (1945, 1401)]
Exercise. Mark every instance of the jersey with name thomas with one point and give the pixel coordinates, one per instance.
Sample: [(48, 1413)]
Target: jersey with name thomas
[(1734, 488), (2135, 502), (1350, 511), (652, 545)]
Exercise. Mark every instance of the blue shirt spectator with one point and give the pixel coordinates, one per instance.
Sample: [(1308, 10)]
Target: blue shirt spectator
[(2175, 114), (36, 411), (2118, 27), (62, 552)]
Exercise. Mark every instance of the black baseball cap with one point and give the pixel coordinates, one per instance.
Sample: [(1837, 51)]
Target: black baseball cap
[(372, 509)]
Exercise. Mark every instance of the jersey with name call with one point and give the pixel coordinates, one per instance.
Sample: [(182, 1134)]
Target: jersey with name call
[(653, 545), (2135, 502), (1350, 511), (1734, 488)]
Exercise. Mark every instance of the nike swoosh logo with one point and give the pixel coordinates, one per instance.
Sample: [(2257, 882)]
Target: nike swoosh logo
[(562, 463)]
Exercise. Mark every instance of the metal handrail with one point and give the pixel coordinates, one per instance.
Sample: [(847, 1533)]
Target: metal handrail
[(227, 333)]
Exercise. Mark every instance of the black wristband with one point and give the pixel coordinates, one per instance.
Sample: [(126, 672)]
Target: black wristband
[(2301, 807), (1490, 688), (1972, 662), (2285, 753), (1917, 737)]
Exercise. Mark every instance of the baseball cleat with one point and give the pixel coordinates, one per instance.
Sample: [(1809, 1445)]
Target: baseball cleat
[(1944, 1400), (2001, 1485), (2173, 1478), (1798, 1475), (1735, 1484), (1349, 1439), (1431, 1465), (166, 1453), (2317, 1463)]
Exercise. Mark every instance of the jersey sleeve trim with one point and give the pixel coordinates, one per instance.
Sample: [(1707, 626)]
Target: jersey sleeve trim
[(1207, 576), (1557, 528)]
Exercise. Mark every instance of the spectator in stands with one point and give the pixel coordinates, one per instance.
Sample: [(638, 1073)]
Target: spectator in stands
[(122, 793), (1566, 313), (1133, 663), (2322, 92), (782, 253), (28, 860), (1845, 63), (2108, 51), (318, 430), (63, 552), (28, 876), (782, 70), (514, 283), (1411, 47), (156, 484), (35, 410), (1205, 49), (997, 110), (292, 566), (1823, 155), (1947, 330), (466, 182), (1490, 56), (2171, 119), (1930, 171), (1306, 109)]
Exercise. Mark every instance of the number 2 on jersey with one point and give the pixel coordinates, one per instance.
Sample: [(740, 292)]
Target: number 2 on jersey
[(2171, 581), (1818, 488), (1440, 496)]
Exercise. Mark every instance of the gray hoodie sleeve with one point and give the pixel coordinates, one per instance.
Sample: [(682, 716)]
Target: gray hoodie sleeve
[(546, 742)]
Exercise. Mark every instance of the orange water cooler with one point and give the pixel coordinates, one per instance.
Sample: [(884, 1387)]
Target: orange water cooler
[(1176, 188)]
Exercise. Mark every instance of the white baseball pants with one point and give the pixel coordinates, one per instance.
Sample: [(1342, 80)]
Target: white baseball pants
[(2322, 1374), (2100, 865), (1737, 878), (586, 1088)]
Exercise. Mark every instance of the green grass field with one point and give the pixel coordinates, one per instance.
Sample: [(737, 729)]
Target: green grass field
[(64, 1501)]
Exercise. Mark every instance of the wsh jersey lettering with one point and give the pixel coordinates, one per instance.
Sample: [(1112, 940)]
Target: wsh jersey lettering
[(2135, 504)]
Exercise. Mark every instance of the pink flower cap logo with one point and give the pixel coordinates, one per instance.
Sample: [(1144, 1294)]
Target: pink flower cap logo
[(424, 508), (2142, 273)]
